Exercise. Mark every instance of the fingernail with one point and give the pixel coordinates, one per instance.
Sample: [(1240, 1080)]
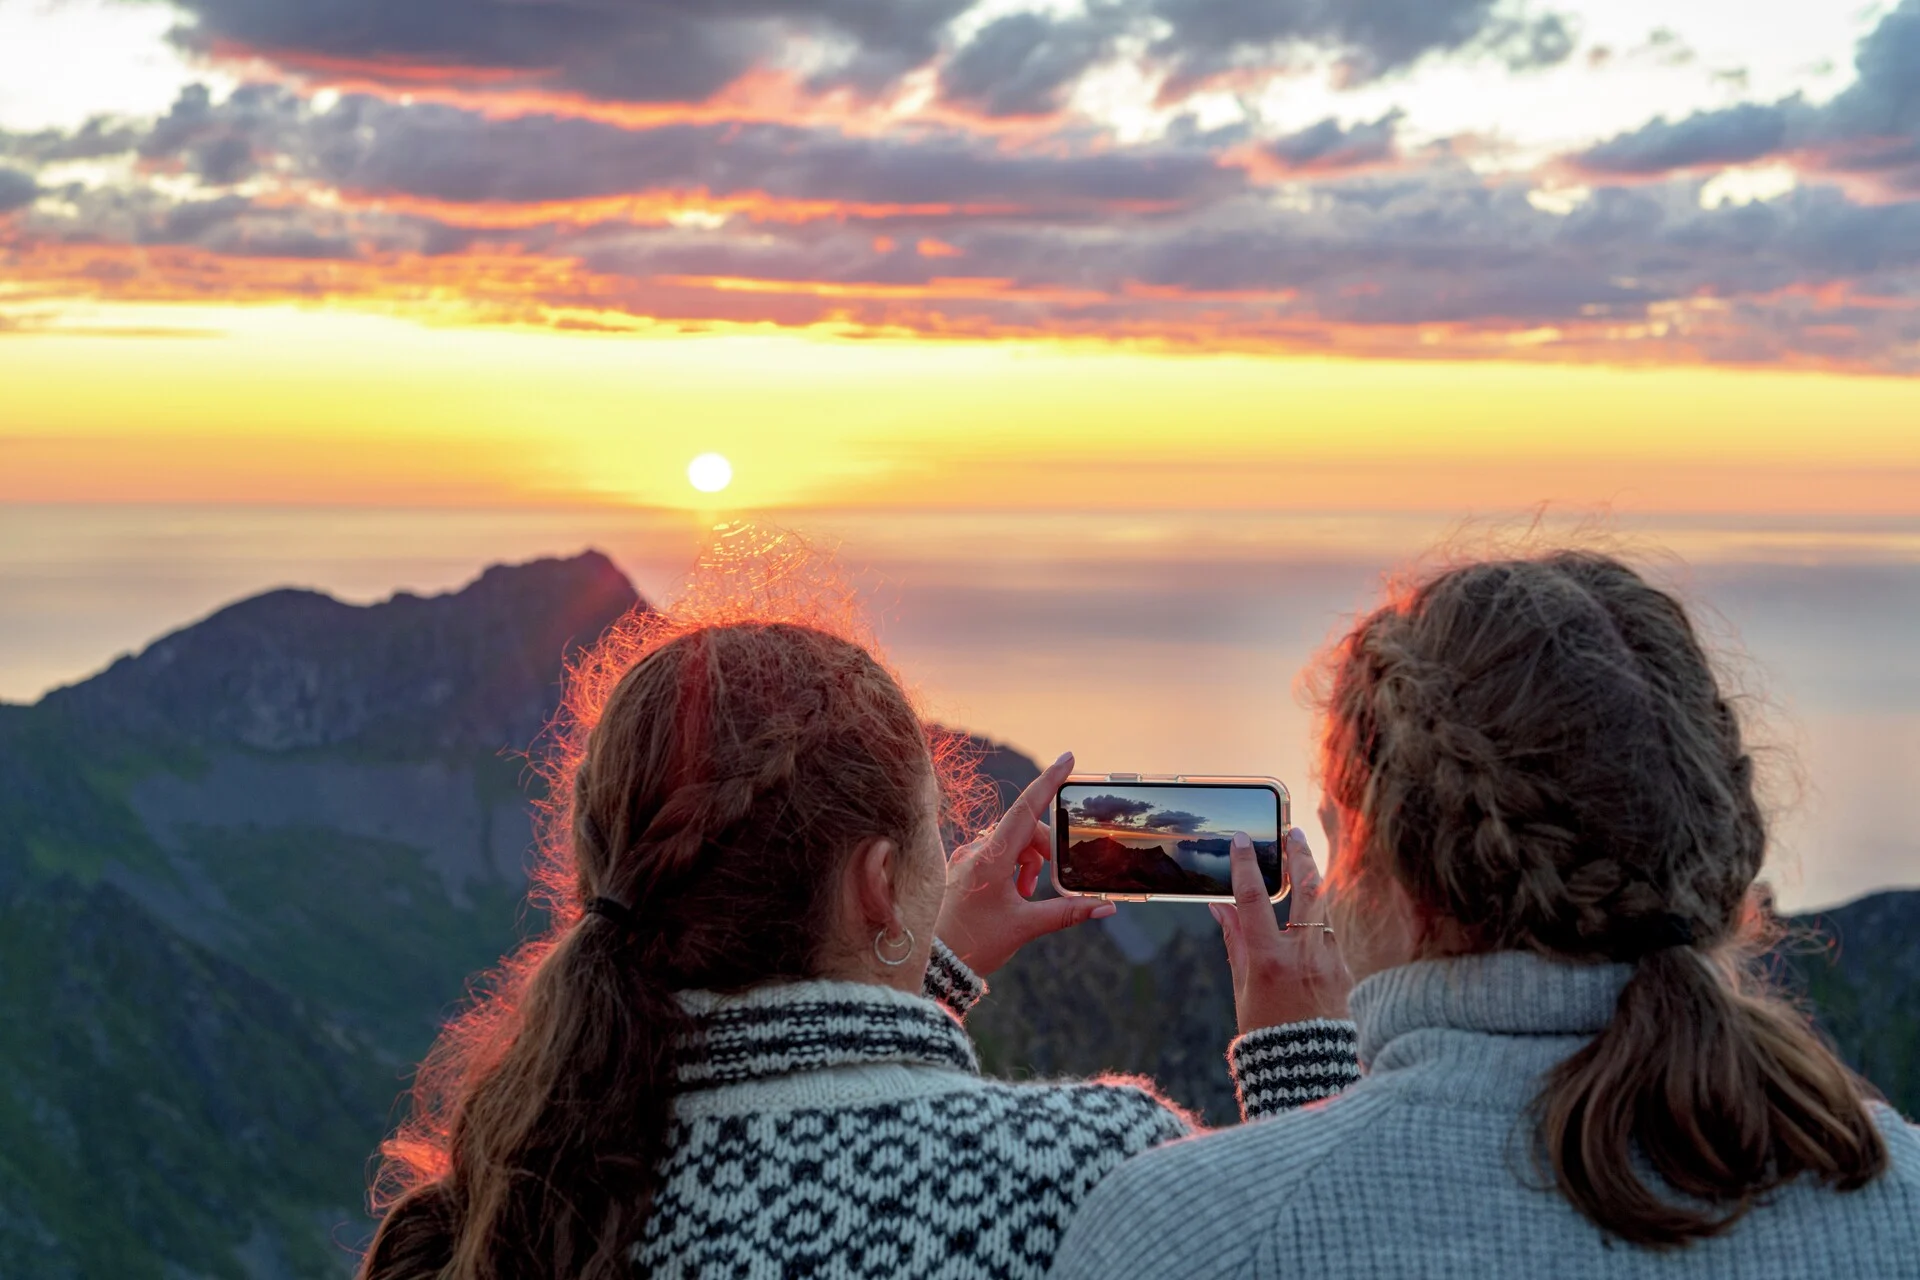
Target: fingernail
[(1241, 840), (1213, 909), (1102, 911), (1065, 756)]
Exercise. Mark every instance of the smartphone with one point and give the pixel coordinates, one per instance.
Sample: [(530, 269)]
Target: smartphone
[(1131, 837)]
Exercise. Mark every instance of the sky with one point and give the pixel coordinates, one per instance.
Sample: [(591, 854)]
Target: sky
[(886, 251), (1230, 303)]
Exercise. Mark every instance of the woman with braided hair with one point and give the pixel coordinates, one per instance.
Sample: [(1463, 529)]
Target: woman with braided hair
[(1544, 839), (738, 1050)]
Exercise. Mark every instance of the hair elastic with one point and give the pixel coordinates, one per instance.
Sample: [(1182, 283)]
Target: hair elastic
[(611, 909), (1665, 932)]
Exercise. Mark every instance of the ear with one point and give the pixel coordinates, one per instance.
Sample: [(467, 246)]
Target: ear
[(869, 887)]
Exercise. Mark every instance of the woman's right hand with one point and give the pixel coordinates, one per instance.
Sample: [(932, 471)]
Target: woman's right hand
[(989, 912), (1280, 975)]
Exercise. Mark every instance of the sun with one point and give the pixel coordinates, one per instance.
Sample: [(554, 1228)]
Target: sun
[(710, 473)]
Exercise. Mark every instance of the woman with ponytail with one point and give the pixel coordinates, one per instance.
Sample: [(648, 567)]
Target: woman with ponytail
[(738, 1050), (1544, 838)]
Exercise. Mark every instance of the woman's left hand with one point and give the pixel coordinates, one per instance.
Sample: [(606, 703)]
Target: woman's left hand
[(987, 913)]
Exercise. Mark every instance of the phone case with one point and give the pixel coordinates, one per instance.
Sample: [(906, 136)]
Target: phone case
[(1060, 833)]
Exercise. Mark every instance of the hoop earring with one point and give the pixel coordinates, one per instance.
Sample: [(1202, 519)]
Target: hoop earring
[(906, 944)]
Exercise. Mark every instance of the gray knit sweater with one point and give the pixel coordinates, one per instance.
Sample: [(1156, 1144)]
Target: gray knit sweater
[(843, 1129), (1424, 1167)]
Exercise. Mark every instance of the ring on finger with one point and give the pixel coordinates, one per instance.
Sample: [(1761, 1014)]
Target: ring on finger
[(1309, 924)]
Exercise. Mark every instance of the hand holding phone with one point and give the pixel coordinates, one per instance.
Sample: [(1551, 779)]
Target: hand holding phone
[(1282, 974), (986, 914)]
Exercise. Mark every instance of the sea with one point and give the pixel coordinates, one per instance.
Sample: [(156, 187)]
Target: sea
[(1156, 641)]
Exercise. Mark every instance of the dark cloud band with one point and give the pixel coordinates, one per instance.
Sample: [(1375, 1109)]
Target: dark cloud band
[(1331, 237), (1871, 129)]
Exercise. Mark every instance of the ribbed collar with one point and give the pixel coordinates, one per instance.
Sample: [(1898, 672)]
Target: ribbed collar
[(1505, 993), (783, 1028)]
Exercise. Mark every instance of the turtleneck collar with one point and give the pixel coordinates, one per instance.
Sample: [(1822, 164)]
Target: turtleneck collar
[(1503, 993), (781, 1029)]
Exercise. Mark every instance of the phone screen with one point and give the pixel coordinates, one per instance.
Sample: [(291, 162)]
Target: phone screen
[(1163, 837)]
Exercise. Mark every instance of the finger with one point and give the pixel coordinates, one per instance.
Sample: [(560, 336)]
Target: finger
[(1043, 841), (1054, 914), (1037, 800), (1225, 917), (1259, 931), (1014, 831), (1037, 848), (1036, 855), (1305, 875), (1029, 875)]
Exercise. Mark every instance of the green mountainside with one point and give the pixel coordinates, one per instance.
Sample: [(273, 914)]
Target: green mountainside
[(245, 874)]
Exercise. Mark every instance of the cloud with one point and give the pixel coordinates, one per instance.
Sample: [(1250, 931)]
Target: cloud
[(1108, 811), (1023, 64), (1373, 37), (1706, 139), (1328, 147), (1665, 47), (1175, 821), (1531, 45), (688, 51), (375, 147), (228, 225), (1047, 229), (1871, 129), (17, 189), (216, 143), (97, 138), (646, 51), (1436, 261)]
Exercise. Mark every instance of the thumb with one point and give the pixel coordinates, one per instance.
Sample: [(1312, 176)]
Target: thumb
[(1051, 915)]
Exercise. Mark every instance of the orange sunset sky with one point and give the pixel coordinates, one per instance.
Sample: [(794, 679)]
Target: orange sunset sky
[(991, 254)]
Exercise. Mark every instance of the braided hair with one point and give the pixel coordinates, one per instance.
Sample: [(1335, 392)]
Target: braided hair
[(709, 779), (1538, 753)]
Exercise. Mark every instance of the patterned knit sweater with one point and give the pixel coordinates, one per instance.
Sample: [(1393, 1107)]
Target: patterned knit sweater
[(843, 1129), (1424, 1169)]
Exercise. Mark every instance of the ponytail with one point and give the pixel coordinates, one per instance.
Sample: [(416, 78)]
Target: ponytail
[(708, 782), (1538, 754), (1725, 1093), (556, 1151)]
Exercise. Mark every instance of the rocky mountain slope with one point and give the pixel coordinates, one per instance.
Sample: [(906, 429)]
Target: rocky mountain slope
[(244, 874)]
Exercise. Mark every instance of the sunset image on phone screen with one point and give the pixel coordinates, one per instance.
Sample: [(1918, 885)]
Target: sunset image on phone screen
[(1163, 838)]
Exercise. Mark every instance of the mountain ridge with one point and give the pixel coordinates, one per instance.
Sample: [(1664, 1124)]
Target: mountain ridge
[(294, 668)]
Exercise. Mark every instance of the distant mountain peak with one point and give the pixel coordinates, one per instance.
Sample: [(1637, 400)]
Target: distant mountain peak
[(589, 568), (290, 669)]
